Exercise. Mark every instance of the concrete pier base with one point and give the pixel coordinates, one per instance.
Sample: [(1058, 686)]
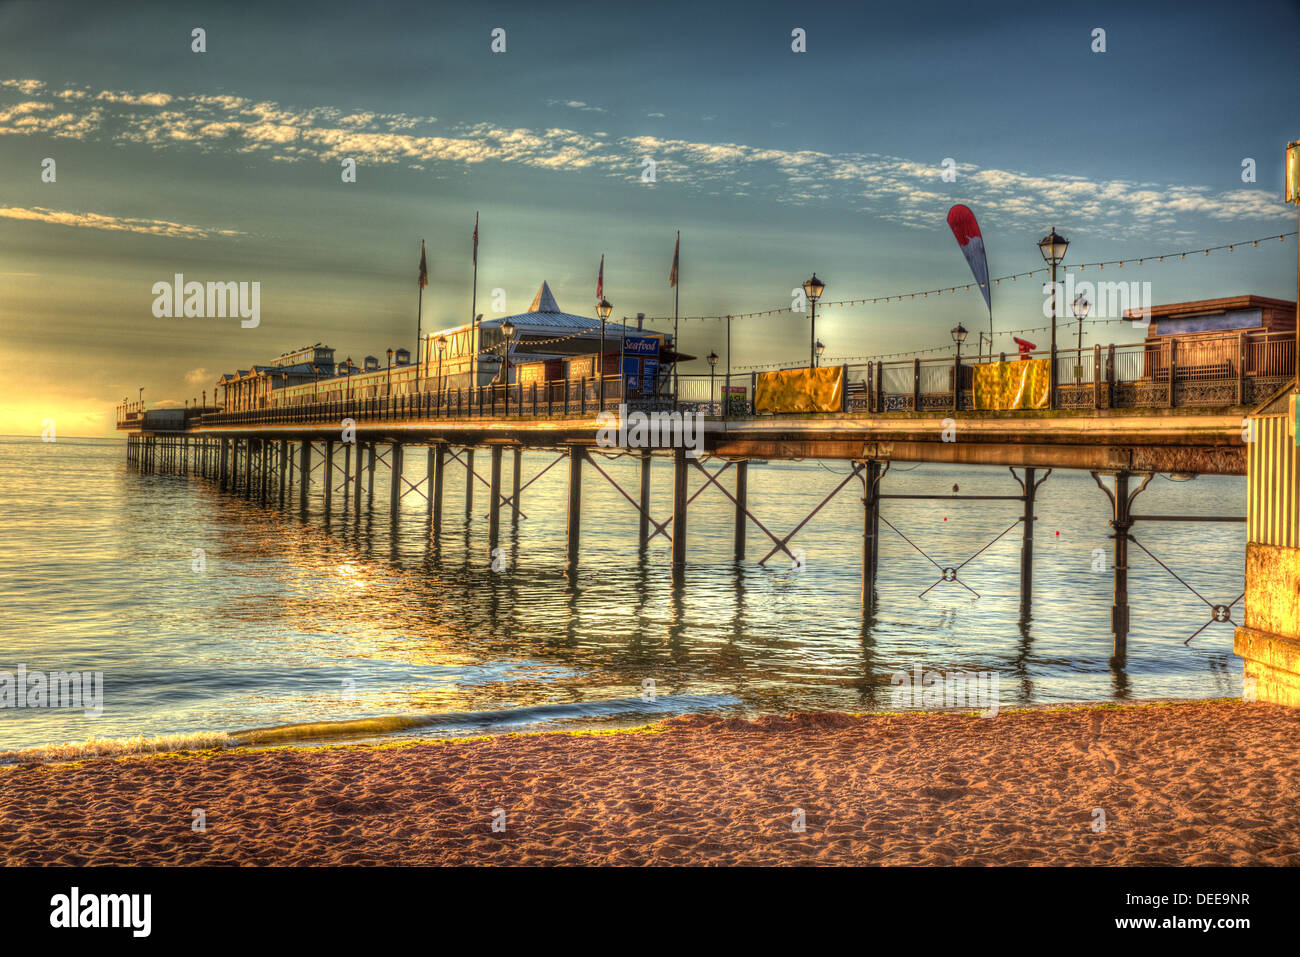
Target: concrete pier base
[(1269, 641)]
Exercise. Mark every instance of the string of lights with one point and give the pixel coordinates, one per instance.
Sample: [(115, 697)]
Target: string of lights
[(952, 290), (945, 350)]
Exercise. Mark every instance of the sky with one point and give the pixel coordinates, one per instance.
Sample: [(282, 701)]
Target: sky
[(227, 165)]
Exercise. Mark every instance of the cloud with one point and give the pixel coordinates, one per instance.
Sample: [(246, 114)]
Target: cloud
[(150, 227), (889, 188), (199, 376), (577, 105)]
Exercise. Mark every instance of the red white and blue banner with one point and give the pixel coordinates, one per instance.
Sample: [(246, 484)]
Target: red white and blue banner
[(967, 231)]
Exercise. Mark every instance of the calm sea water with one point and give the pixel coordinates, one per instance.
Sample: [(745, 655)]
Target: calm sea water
[(294, 621)]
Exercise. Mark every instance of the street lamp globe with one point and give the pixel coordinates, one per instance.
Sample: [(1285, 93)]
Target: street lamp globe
[(713, 358), (1081, 307), (1053, 247), (604, 308), (821, 347), (508, 329), (959, 334), (813, 288)]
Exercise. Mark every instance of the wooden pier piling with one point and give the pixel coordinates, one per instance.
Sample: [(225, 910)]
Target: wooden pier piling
[(574, 519), (644, 526), (395, 485), (494, 500), (679, 512), (742, 499), (435, 492), (1027, 548)]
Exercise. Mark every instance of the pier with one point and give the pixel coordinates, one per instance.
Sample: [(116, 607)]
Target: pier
[(335, 448)]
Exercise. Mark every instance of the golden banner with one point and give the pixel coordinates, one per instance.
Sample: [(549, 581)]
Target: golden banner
[(800, 390), (1019, 384)]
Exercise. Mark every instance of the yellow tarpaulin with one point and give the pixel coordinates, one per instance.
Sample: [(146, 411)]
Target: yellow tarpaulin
[(1019, 384), (800, 390)]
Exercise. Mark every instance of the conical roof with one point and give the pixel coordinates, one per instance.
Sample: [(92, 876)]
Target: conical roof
[(544, 301)]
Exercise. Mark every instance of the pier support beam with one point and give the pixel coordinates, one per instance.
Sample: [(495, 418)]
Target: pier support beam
[(329, 476), (264, 467), (494, 501), (1122, 502), (370, 467), (435, 490), (469, 484), (428, 482), (284, 466), (304, 474), (248, 468), (870, 532), (356, 484), (679, 512), (742, 504), (644, 533), (395, 487), (576, 454), (514, 488), (1027, 548), (347, 472), (1119, 607), (223, 476)]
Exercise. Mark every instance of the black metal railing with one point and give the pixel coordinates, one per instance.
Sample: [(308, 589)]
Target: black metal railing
[(1215, 371)]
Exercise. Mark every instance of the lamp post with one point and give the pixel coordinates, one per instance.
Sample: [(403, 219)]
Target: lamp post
[(390, 374), (958, 336), (820, 348), (1080, 307), (442, 345), (1053, 247), (712, 358), (813, 289), (507, 333), (603, 309)]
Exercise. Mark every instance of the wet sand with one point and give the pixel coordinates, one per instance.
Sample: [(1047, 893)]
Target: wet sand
[(1196, 783)]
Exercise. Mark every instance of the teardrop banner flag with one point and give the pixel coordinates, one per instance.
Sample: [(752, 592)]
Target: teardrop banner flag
[(962, 223)]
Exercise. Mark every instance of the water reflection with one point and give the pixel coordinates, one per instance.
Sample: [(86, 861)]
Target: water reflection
[(293, 606)]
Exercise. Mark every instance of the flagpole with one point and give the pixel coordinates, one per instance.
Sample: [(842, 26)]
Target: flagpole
[(419, 318), (473, 312), (677, 295)]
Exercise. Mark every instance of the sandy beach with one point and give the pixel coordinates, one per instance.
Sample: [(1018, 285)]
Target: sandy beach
[(1195, 783)]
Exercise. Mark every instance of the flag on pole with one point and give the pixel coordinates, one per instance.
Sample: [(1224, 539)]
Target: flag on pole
[(476, 239), (424, 267), (600, 279), (672, 275), (962, 223)]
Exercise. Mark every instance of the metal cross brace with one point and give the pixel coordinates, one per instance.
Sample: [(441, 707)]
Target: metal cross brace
[(699, 464), (782, 543), (505, 499), (659, 526), (509, 499), (948, 573), (1219, 614)]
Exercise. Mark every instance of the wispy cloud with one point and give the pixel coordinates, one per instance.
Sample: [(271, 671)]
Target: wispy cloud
[(885, 187), (151, 227)]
